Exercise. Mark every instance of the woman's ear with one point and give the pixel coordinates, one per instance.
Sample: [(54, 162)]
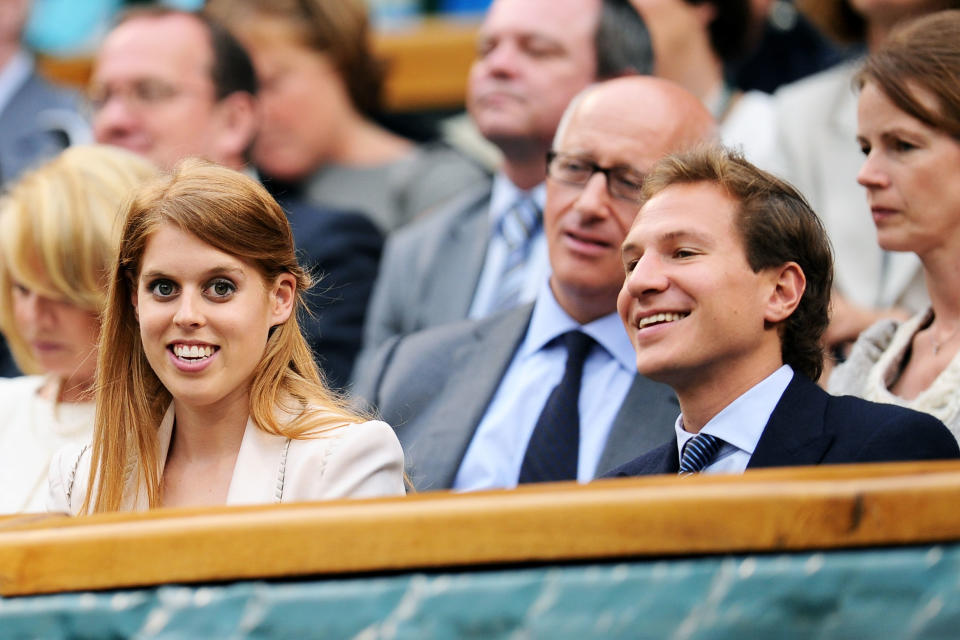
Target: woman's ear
[(134, 302), (282, 297)]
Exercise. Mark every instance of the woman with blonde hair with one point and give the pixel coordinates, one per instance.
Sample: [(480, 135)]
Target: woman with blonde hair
[(909, 131), (57, 239), (206, 390), (320, 86)]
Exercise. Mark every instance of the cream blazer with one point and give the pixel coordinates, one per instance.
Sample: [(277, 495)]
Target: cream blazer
[(356, 461)]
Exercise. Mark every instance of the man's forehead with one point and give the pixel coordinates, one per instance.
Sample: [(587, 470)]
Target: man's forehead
[(695, 208), (617, 136), (175, 47), (548, 18)]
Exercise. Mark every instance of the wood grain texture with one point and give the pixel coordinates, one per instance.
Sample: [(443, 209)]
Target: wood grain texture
[(763, 510)]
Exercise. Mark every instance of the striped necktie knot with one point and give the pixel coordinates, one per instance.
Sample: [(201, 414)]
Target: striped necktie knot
[(698, 453)]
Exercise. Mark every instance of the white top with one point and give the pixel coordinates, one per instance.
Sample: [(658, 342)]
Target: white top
[(741, 423), (32, 429), (361, 460), (751, 126), (495, 454), (875, 362)]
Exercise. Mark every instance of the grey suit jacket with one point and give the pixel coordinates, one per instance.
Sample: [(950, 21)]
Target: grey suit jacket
[(434, 387), (428, 273), (38, 122)]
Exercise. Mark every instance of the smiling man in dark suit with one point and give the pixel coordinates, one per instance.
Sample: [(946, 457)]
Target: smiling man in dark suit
[(728, 277), (548, 391)]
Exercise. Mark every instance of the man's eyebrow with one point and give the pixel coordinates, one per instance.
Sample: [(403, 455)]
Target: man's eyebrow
[(687, 234)]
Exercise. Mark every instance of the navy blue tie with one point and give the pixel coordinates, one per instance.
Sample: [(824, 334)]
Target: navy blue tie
[(698, 453), (554, 447)]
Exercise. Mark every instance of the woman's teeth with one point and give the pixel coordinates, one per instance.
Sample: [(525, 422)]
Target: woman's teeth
[(192, 351)]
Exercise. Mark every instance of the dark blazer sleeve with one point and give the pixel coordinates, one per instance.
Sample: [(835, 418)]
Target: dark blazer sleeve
[(342, 252), (890, 433)]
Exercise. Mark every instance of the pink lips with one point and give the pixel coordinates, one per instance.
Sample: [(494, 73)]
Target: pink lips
[(188, 366)]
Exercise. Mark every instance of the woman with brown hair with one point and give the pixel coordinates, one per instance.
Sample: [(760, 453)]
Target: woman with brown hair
[(320, 90), (909, 131), (206, 390)]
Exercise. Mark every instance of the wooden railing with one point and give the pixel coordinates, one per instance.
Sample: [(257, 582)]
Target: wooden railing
[(768, 510), (427, 64)]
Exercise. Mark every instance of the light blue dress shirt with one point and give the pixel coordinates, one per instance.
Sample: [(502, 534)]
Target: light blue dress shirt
[(503, 196), (741, 423), (496, 451)]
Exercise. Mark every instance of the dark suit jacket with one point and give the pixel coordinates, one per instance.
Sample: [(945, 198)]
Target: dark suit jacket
[(342, 252), (434, 388), (809, 426)]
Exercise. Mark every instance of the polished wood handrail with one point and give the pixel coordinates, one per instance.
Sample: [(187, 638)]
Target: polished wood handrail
[(764, 510)]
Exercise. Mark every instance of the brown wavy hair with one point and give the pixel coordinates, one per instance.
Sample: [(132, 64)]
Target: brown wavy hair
[(924, 54), (776, 225), (337, 28), (235, 214)]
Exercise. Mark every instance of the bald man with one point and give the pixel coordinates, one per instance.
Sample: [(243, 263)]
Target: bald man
[(549, 391)]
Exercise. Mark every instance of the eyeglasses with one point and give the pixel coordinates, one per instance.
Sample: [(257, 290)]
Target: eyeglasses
[(622, 181), (139, 95)]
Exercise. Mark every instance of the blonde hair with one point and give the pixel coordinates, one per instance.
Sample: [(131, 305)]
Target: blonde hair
[(58, 232), (234, 214)]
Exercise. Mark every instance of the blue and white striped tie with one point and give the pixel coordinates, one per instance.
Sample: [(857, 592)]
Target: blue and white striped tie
[(518, 227), (698, 453)]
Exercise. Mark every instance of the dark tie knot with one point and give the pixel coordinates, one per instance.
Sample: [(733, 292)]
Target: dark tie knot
[(578, 346), (698, 453)]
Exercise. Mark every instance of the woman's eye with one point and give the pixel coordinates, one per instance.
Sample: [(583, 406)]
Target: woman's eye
[(222, 288), (903, 145), (162, 288)]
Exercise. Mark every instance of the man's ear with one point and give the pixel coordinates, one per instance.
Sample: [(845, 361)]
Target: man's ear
[(789, 283), (282, 297), (237, 123)]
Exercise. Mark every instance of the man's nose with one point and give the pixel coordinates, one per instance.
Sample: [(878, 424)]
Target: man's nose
[(646, 276), (113, 117)]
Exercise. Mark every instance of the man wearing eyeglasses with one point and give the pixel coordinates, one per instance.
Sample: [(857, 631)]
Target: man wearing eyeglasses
[(168, 85), (549, 391), (484, 251)]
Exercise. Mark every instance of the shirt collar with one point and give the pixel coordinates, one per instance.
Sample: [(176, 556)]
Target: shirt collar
[(549, 321), (741, 423), (504, 194)]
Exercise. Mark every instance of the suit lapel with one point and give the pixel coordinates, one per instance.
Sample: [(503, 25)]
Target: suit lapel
[(796, 433), (460, 257), (477, 367), (645, 420), (256, 472)]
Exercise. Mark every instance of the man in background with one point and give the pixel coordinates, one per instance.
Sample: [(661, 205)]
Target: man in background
[(169, 84), (485, 252)]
